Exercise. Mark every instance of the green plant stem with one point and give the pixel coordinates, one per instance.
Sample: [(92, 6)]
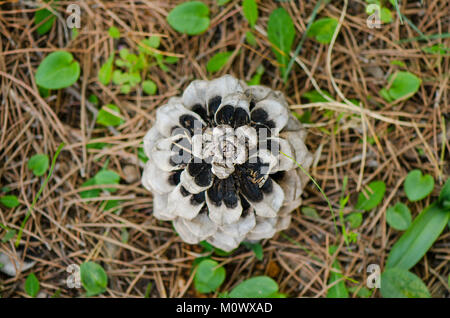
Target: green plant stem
[(318, 187), (300, 44), (44, 184)]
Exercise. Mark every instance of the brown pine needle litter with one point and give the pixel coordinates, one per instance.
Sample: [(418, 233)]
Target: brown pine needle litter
[(365, 141)]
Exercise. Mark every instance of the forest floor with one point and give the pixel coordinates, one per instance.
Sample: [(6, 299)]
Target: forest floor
[(143, 256)]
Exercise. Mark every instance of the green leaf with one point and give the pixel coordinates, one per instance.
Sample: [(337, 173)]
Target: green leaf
[(439, 49), (119, 77), (250, 8), (444, 195), (399, 217), (362, 292), (255, 287), (32, 285), (171, 59), (10, 201), (385, 15), (142, 156), (401, 85), (74, 33), (93, 99), (106, 71), (281, 34), (42, 15), (399, 283), (417, 186), (107, 118), (222, 2), (355, 219), (398, 63), (209, 276), (89, 193), (419, 237), (315, 97), (250, 38), (375, 195), (38, 164), (93, 278), (149, 87), (256, 248), (323, 29), (152, 42), (338, 290), (105, 177), (125, 89), (256, 79), (218, 61), (114, 32), (191, 18), (310, 212), (58, 70), (9, 235)]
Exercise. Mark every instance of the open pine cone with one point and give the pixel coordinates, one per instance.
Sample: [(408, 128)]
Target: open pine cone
[(221, 162)]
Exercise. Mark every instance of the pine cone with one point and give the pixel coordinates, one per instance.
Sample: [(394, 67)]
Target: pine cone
[(221, 162)]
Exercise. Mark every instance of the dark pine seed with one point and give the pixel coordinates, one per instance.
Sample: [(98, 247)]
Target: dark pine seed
[(184, 192), (270, 123), (252, 104), (187, 121), (195, 168), (198, 198), (213, 105), (268, 186), (241, 117), (215, 192), (278, 176), (250, 190), (266, 129), (225, 115), (230, 197), (174, 178), (204, 178), (259, 115), (244, 203), (201, 111)]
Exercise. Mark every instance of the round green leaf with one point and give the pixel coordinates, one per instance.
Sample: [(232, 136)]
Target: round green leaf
[(32, 285), (209, 276), (58, 70), (42, 15), (399, 283), (402, 85), (218, 61), (38, 164), (310, 212), (149, 87), (114, 32), (372, 197), (255, 287), (355, 219), (107, 177), (106, 116), (323, 29), (93, 278), (399, 216), (10, 201), (191, 18), (418, 186)]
